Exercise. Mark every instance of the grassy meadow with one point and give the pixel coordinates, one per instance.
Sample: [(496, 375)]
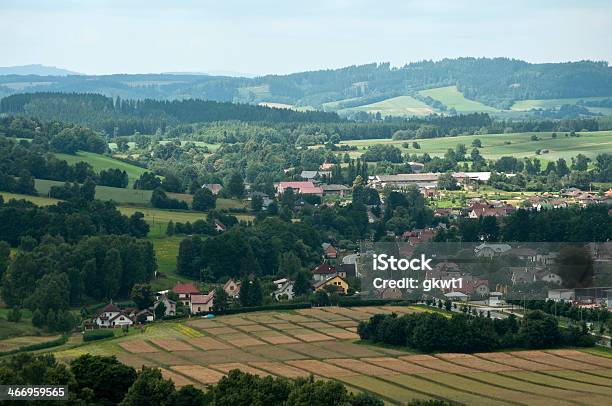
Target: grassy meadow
[(495, 146), (525, 105), (395, 106), (100, 162), (453, 98)]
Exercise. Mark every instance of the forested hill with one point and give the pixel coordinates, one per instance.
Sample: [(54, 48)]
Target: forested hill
[(146, 116), (496, 82)]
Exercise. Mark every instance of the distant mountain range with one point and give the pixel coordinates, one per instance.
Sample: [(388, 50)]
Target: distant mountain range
[(496, 83), (40, 70)]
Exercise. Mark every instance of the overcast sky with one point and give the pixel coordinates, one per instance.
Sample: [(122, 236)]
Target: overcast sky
[(266, 36)]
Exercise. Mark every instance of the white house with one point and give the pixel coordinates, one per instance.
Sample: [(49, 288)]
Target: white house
[(110, 316), (495, 299), (284, 287), (456, 296)]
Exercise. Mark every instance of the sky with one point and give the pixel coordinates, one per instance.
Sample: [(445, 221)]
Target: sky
[(269, 36)]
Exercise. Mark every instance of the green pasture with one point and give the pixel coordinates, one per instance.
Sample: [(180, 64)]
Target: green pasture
[(495, 146), (119, 195), (453, 98), (525, 105), (100, 162), (37, 200)]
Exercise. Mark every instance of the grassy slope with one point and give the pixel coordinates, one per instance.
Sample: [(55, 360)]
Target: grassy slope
[(37, 200), (590, 144), (119, 195), (524, 105), (453, 98), (100, 162), (395, 106)]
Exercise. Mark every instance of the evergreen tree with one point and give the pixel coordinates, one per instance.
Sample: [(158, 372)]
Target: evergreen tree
[(51, 320), (38, 318), (112, 271), (170, 228), (235, 185)]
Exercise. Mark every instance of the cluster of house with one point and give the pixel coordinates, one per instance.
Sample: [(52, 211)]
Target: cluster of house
[(328, 275), (188, 294), (565, 198), (312, 188), (426, 180)]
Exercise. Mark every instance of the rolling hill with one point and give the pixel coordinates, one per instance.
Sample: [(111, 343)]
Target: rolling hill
[(497, 83)]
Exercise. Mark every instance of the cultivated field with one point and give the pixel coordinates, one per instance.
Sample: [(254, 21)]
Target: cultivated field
[(453, 98), (395, 106), (200, 351), (495, 146)]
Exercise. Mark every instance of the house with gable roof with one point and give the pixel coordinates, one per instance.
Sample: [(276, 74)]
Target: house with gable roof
[(323, 271), (111, 316), (184, 292)]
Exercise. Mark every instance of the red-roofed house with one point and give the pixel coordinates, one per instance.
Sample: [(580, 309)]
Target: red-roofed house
[(330, 250), (326, 166), (478, 287), (303, 188), (323, 271), (184, 292)]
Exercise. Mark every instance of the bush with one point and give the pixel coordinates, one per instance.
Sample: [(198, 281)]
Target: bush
[(94, 335)]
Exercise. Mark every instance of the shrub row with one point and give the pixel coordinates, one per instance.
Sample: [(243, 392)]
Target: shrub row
[(93, 335)]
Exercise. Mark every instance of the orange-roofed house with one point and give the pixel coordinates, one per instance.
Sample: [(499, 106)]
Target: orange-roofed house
[(184, 292)]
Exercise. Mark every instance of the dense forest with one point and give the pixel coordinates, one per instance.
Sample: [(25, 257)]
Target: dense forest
[(496, 82), (35, 114), (121, 117)]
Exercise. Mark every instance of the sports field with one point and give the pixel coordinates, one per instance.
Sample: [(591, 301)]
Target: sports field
[(453, 98), (396, 106), (495, 146), (200, 351)]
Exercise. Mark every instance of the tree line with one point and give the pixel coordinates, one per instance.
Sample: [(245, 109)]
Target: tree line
[(100, 380), (434, 332)]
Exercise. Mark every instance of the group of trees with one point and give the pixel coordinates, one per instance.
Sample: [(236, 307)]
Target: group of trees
[(52, 135), (242, 251), (55, 275), (572, 224), (26, 160), (433, 332), (160, 199), (125, 117), (100, 380), (70, 220)]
